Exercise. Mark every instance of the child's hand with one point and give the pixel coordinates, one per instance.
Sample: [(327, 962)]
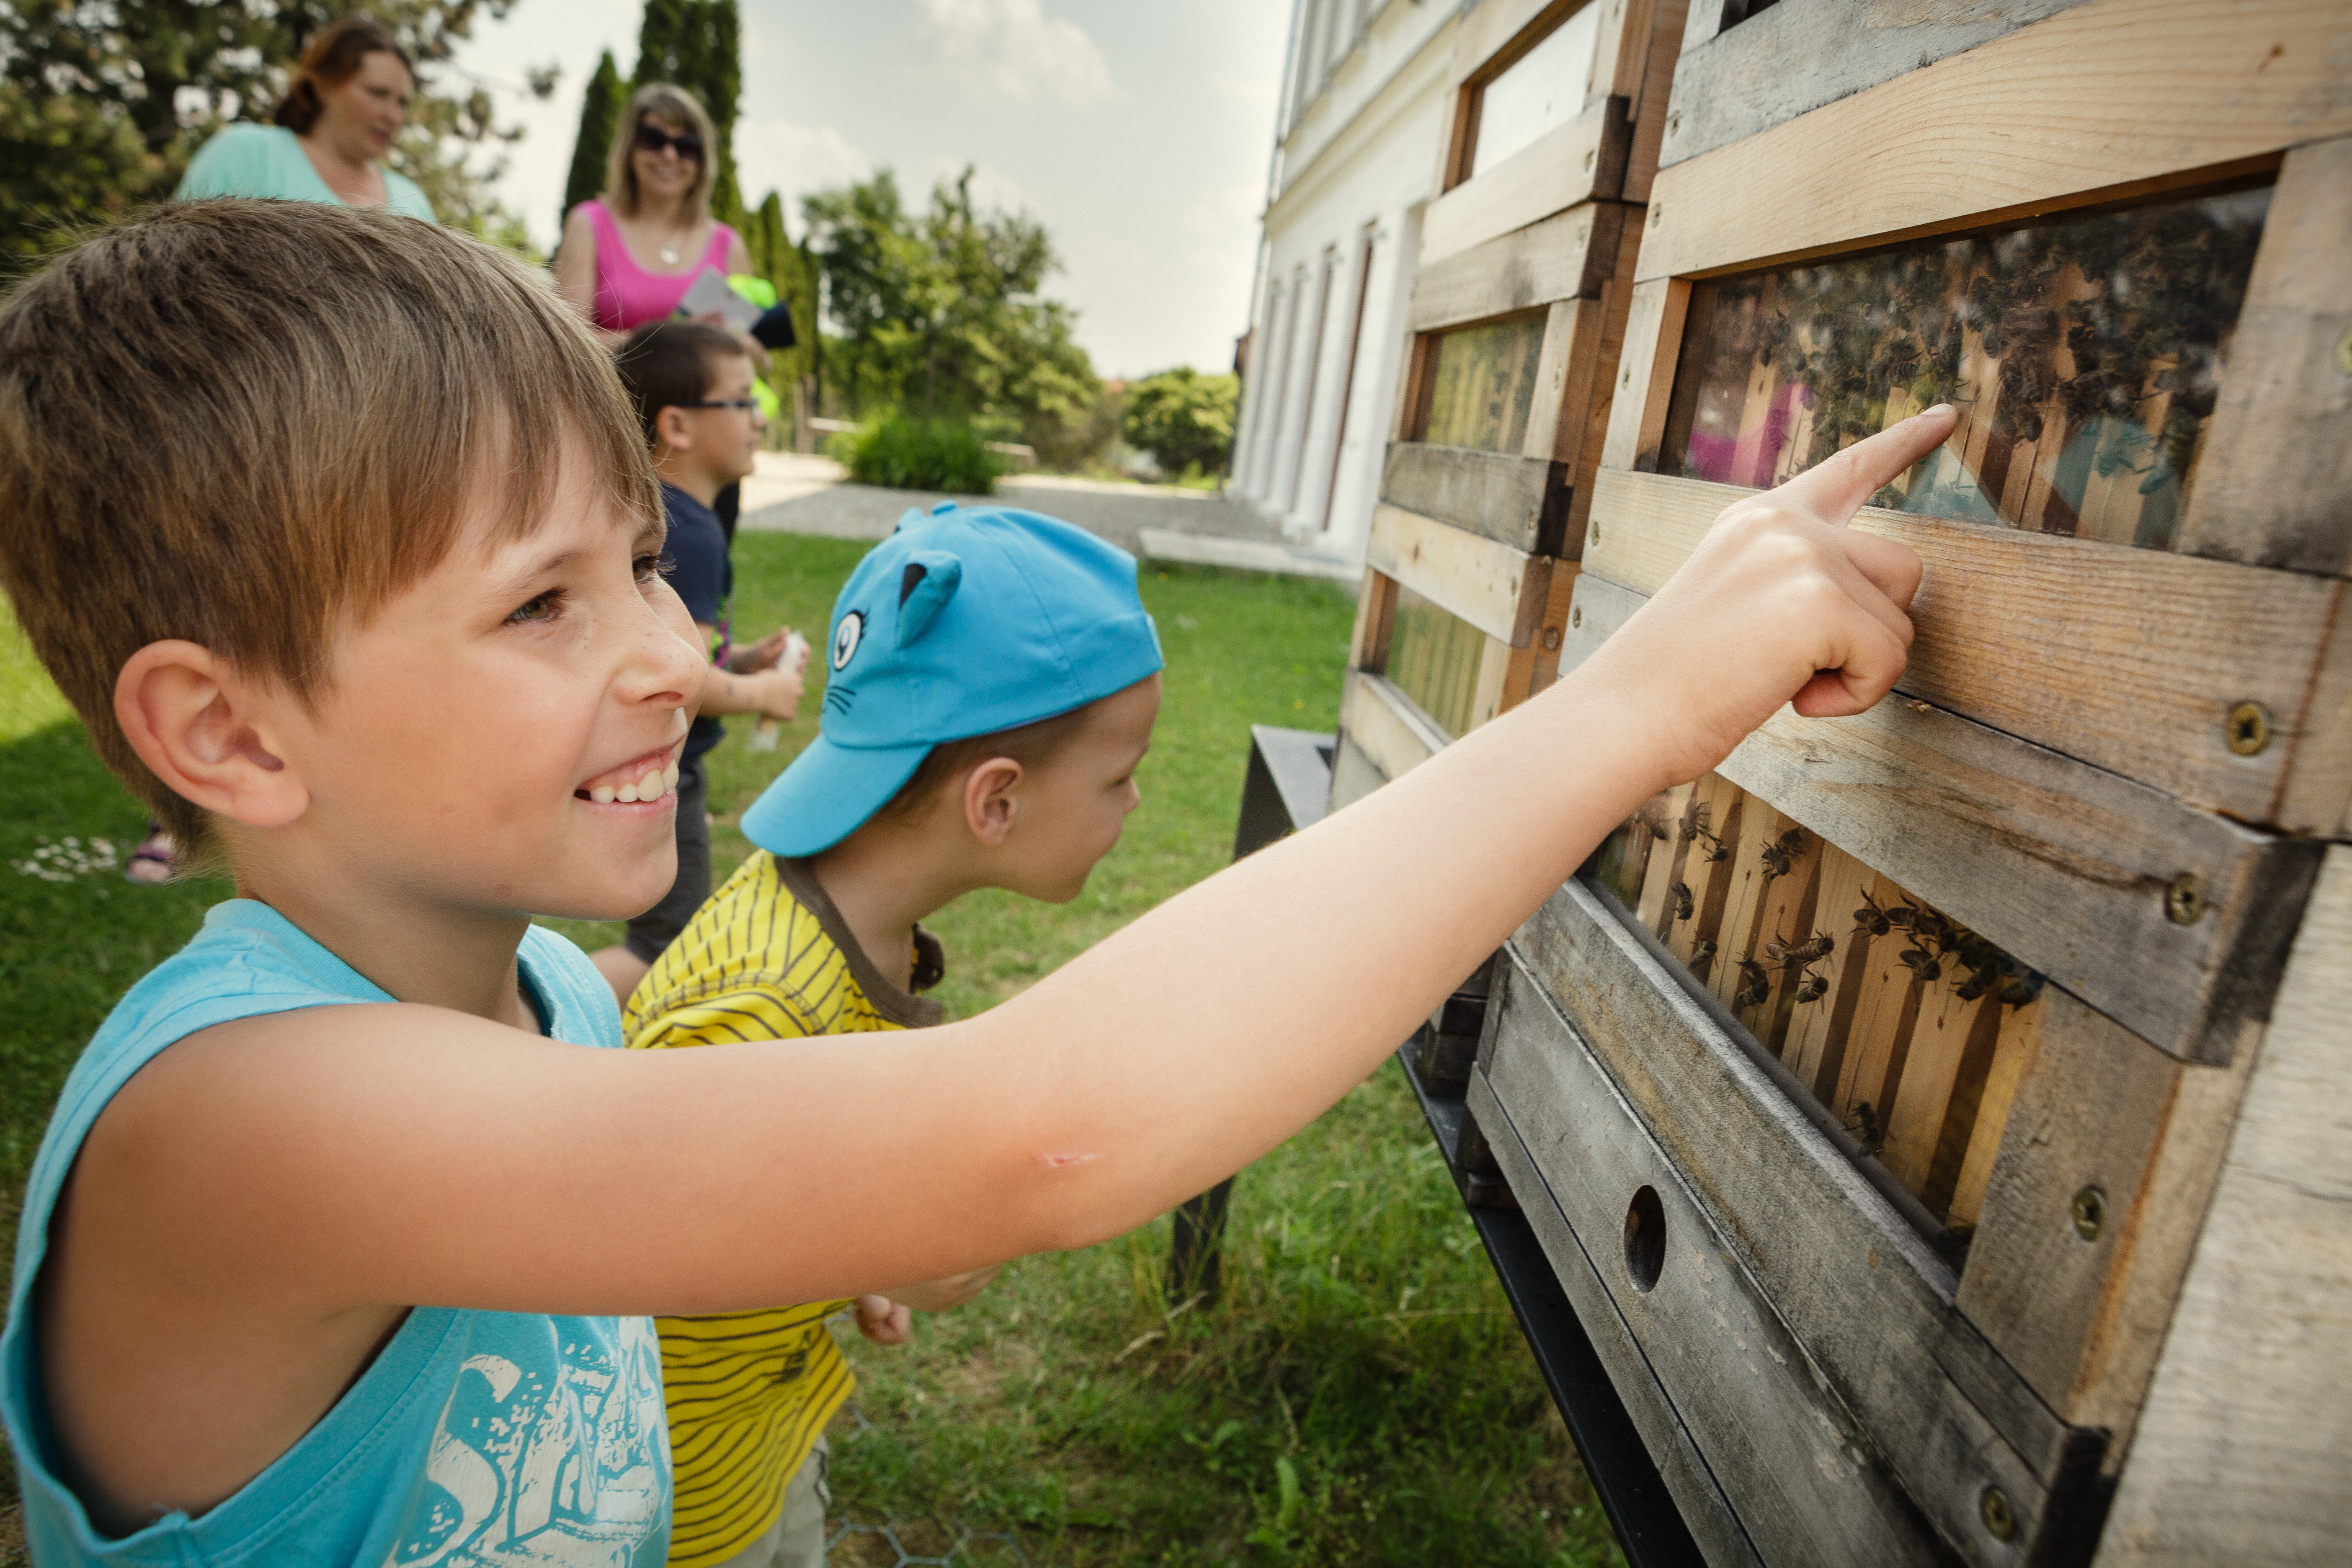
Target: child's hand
[(776, 693), (1779, 602), (883, 1320), (945, 1295), (759, 656)]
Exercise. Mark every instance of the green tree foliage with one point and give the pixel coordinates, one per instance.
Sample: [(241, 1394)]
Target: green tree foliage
[(940, 313), (101, 106), (698, 45), (1184, 419), (792, 272), (600, 112)]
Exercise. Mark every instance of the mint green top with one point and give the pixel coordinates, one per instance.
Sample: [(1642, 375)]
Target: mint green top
[(252, 160)]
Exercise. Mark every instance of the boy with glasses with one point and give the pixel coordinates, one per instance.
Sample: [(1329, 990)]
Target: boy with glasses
[(691, 383)]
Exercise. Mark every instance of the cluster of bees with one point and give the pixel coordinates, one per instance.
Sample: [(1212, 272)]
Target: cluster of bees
[(1937, 940)]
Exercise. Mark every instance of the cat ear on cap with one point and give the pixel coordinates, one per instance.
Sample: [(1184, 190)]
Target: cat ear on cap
[(929, 581)]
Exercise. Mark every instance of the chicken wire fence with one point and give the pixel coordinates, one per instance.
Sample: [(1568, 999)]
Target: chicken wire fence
[(858, 1538)]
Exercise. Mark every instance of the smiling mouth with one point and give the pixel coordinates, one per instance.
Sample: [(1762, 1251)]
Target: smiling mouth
[(639, 783)]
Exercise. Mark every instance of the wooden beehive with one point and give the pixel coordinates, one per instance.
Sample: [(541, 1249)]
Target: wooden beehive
[(1942, 1119), (1519, 299)]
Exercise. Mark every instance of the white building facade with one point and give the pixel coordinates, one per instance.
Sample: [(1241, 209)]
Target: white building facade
[(1356, 147)]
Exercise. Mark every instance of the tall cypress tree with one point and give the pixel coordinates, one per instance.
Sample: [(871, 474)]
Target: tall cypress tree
[(698, 46), (600, 112)]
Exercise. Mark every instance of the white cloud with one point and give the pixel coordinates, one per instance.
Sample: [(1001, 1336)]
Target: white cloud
[(990, 187), (1009, 49), (776, 155)]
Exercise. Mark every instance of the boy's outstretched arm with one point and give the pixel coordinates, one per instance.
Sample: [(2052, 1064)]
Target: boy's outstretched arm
[(368, 1155)]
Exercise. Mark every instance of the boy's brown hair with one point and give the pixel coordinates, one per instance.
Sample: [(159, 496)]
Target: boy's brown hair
[(672, 364), (247, 424)]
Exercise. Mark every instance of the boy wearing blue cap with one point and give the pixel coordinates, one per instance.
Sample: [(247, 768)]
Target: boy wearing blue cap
[(994, 682)]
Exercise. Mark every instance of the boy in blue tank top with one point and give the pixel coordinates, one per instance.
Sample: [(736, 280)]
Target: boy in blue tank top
[(343, 1240)]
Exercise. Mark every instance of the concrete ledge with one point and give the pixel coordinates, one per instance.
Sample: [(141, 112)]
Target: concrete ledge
[(1247, 555)]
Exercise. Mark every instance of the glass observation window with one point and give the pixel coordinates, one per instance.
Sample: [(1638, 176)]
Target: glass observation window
[(1433, 658), (2083, 352), (1539, 91), (1483, 385)]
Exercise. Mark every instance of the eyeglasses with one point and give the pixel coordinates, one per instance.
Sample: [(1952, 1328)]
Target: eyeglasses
[(719, 402), (653, 139)]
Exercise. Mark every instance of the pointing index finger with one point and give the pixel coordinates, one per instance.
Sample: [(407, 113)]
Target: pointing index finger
[(1833, 489)]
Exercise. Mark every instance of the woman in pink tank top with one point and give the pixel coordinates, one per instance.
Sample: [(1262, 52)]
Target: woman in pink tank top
[(629, 255)]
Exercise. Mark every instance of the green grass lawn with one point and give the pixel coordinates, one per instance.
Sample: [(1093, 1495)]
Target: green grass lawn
[(1359, 1396)]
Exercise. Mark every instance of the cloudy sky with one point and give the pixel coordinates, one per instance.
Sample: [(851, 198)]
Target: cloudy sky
[(1139, 135)]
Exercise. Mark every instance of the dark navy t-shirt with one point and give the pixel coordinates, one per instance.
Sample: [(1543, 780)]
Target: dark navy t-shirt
[(695, 559)]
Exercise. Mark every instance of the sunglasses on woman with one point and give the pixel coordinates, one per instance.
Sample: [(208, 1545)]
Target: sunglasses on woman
[(653, 139)]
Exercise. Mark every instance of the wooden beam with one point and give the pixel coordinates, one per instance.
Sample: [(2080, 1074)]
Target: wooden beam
[(1567, 257), (1499, 589), (2102, 101), (1497, 33), (1806, 1485), (1368, 644), (1697, 1497), (2067, 867), (1502, 496), (1353, 775), (2274, 468), (2241, 1450), (1643, 75), (2129, 659), (1645, 375), (1574, 163), (1863, 1296), (1564, 372), (1393, 736), (1801, 54)]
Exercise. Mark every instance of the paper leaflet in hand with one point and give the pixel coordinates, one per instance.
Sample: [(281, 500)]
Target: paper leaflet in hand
[(711, 296)]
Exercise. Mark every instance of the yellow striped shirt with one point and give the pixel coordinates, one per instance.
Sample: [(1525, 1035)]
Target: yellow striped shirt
[(768, 957)]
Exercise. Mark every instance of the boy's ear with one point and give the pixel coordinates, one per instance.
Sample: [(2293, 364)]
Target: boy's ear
[(992, 800), (205, 734), (672, 430)]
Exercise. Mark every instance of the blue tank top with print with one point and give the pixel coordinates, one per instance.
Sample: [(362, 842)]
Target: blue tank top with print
[(473, 1440)]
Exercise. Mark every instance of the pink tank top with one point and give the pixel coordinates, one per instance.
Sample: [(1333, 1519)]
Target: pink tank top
[(627, 296)]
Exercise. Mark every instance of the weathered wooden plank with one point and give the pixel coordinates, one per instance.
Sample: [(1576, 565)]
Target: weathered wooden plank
[(1697, 1497), (1579, 161), (1353, 775), (1514, 501), (1394, 736), (2101, 101), (1569, 256), (1563, 393), (1539, 659), (2273, 467), (1581, 442), (1368, 643), (2067, 867), (1807, 1484), (2317, 795), (1801, 54), (2085, 1119), (1499, 589), (1643, 75), (1857, 1286), (2241, 1452), (2130, 659), (1645, 375)]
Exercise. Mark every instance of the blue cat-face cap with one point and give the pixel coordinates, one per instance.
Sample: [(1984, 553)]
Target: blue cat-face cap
[(964, 622)]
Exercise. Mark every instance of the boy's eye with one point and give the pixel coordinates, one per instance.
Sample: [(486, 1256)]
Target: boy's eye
[(541, 608)]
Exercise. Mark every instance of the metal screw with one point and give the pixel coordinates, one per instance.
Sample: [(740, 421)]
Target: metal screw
[(1627, 379), (1576, 617), (1551, 639), (2090, 1216), (2343, 353), (1531, 518), (1587, 156), (2249, 728), (1595, 536), (1998, 1517), (1657, 214), (1674, 120), (2184, 900)]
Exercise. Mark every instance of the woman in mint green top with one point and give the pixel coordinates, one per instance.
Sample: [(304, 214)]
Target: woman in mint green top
[(347, 101)]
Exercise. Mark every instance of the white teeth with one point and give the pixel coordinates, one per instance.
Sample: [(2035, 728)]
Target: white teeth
[(626, 794), (601, 794), (651, 786), (669, 776)]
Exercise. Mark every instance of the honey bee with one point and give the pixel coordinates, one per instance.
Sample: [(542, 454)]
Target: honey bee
[(1922, 964), (1862, 1122), (1871, 919), (1988, 972), (1802, 953), (1814, 988), (1702, 957), (1755, 984), (1683, 904), (2021, 990), (1780, 855)]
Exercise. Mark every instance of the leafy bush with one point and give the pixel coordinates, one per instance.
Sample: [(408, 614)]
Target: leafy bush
[(1183, 418), (907, 454)]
